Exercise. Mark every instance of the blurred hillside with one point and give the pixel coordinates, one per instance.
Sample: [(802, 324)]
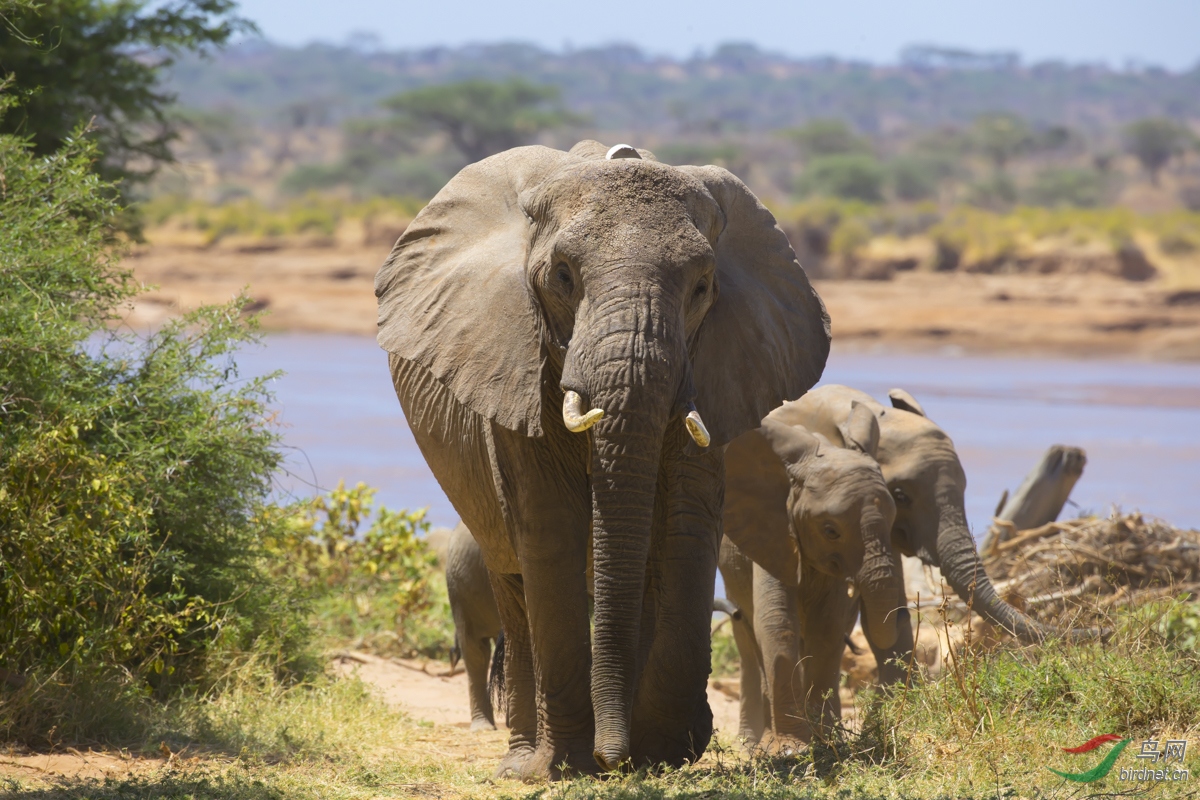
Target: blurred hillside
[(737, 88), (943, 126)]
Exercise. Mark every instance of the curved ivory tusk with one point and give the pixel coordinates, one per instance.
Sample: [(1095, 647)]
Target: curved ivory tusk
[(573, 416), (695, 427), (622, 151), (851, 590)]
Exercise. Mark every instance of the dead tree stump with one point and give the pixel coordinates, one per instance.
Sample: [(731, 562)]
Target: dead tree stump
[(1041, 496)]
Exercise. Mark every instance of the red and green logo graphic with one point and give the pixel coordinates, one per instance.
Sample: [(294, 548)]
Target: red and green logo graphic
[(1100, 770)]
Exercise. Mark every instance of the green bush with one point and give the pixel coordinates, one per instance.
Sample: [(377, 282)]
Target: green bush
[(132, 473), (377, 589)]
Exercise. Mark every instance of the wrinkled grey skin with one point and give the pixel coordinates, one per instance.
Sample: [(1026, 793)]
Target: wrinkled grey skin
[(807, 535), (476, 619), (928, 484), (645, 289)]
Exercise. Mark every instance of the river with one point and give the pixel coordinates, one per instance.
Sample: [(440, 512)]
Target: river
[(1138, 421)]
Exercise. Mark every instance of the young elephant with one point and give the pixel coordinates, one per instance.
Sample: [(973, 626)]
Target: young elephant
[(807, 536), (928, 484), (476, 619)]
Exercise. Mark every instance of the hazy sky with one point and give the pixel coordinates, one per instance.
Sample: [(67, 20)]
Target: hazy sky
[(1163, 32)]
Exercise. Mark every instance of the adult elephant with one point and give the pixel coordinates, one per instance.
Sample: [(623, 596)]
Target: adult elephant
[(928, 484), (573, 336), (807, 538)]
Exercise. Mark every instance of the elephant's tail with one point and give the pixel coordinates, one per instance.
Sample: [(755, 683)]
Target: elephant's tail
[(455, 651), (496, 677)]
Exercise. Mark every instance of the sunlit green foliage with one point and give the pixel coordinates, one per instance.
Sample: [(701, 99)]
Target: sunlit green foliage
[(131, 471), (375, 588)]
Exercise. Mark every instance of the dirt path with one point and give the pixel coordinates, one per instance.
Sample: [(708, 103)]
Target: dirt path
[(425, 691)]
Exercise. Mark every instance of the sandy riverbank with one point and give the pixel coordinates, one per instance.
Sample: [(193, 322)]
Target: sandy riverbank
[(329, 289)]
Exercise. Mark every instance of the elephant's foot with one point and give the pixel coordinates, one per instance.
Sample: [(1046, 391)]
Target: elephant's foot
[(513, 763), (781, 744), (482, 724), (564, 759), (654, 744)]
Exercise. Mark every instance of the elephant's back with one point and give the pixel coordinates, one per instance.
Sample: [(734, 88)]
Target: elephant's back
[(824, 410)]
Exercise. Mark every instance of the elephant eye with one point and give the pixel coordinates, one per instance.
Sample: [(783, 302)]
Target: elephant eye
[(831, 531), (563, 273), (701, 288), (900, 497)]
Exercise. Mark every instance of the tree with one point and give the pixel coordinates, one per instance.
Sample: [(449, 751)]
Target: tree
[(828, 137), (1082, 188), (1000, 138), (848, 176), (482, 117), (71, 61), (1154, 142)]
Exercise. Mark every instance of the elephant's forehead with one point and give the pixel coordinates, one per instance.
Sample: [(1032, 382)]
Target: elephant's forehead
[(843, 473), (630, 188)]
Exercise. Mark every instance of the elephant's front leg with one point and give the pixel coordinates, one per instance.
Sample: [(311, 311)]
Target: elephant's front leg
[(671, 719), (776, 629), (824, 609), (738, 572), (548, 508)]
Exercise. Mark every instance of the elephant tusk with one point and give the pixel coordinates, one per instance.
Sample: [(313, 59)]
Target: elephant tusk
[(695, 427), (851, 590), (573, 416)]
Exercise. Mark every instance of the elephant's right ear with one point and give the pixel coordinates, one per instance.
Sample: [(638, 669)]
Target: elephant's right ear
[(905, 401), (454, 297), (860, 431), (791, 443)]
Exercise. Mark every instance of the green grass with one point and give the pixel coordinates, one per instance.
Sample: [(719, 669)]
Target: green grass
[(988, 728)]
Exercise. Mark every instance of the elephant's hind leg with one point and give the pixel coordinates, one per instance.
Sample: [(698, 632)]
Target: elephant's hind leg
[(476, 653), (519, 684)]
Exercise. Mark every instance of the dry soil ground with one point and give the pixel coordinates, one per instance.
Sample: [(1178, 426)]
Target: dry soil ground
[(329, 289), (426, 691)]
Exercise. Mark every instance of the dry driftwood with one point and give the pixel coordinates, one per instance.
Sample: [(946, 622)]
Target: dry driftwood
[(1092, 564), (1041, 496)]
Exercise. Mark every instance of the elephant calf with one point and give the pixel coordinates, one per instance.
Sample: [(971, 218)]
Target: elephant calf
[(476, 619), (807, 537)]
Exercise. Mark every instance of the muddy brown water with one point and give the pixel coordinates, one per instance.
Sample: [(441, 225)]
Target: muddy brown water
[(1138, 421)]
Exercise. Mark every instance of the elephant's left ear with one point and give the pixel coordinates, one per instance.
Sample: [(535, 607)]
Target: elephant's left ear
[(766, 338)]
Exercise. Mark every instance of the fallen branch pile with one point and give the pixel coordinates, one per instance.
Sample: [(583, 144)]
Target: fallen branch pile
[(1084, 567)]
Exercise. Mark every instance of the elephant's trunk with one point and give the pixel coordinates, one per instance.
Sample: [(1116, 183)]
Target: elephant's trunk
[(878, 582), (630, 367), (963, 570)]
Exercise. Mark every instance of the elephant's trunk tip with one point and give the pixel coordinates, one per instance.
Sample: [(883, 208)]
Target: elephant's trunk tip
[(609, 758), (573, 416)]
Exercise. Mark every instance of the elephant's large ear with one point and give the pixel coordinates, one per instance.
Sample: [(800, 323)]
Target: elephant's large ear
[(905, 401), (792, 444), (756, 515), (860, 431), (766, 338), (453, 294)]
